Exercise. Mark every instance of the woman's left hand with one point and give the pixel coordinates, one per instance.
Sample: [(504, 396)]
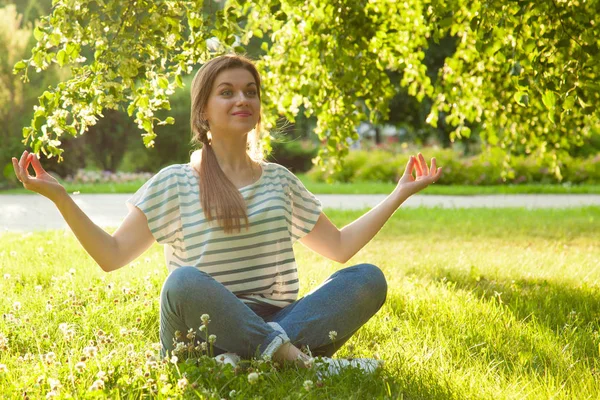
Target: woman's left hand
[(425, 176)]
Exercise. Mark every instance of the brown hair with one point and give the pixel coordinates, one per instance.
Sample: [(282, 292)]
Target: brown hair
[(219, 197)]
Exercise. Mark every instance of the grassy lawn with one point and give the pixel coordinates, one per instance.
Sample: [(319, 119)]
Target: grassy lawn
[(360, 188), (478, 307)]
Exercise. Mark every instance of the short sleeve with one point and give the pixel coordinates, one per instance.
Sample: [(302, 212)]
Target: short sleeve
[(158, 199), (306, 208)]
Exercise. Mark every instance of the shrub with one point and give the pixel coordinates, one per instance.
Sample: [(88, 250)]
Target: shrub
[(483, 169)]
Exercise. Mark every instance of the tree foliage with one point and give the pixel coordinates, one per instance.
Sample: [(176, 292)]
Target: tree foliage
[(526, 73)]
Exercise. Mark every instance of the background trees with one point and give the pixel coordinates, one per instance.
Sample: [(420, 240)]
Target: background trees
[(521, 75)]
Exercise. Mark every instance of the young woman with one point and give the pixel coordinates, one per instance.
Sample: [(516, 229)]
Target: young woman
[(227, 221)]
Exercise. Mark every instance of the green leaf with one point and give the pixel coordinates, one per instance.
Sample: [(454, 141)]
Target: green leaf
[(38, 34), (19, 66), (521, 98), (549, 99), (163, 82), (147, 124), (39, 121), (178, 81), (61, 57)]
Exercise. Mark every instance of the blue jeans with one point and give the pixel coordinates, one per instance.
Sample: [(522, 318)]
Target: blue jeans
[(343, 303)]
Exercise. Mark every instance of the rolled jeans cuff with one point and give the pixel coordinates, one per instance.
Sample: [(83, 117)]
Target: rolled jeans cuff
[(275, 340)]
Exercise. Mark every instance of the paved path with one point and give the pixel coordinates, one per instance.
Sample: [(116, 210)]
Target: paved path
[(34, 212)]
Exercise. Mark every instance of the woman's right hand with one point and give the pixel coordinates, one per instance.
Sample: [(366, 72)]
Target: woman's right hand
[(42, 183)]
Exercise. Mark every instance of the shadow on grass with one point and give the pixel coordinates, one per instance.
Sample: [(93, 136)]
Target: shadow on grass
[(567, 321), (549, 303)]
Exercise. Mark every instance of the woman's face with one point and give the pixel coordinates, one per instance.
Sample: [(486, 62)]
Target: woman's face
[(233, 105)]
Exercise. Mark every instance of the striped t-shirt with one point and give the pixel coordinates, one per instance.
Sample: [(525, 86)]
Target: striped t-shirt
[(257, 265)]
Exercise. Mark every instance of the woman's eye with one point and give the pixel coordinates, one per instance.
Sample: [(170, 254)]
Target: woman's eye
[(226, 93), (251, 93)]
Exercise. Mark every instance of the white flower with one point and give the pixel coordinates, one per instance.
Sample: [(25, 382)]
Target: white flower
[(332, 335), (54, 383), (180, 346), (16, 305), (3, 368), (72, 271), (232, 393), (90, 351), (205, 318), (308, 384), (191, 334), (212, 339), (97, 385), (38, 288), (252, 377), (182, 383), (80, 366), (174, 359)]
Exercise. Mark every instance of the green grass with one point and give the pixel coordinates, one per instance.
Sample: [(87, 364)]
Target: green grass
[(450, 190), (89, 188), (479, 306), (359, 188)]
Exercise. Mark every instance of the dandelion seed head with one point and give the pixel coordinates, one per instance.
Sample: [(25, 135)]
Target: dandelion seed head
[(3, 369), (38, 288), (332, 335), (212, 339), (17, 305), (6, 276), (80, 366), (174, 360)]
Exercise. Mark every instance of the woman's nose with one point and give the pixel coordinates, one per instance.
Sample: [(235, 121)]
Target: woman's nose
[(241, 98)]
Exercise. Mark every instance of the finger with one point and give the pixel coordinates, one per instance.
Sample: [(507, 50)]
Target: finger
[(410, 165), (22, 158), (438, 174), (418, 167), (37, 166), (17, 168), (433, 169), (27, 162), (424, 166)]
